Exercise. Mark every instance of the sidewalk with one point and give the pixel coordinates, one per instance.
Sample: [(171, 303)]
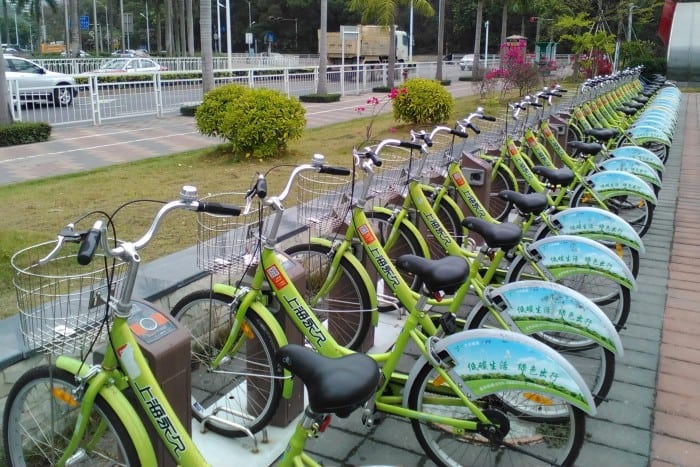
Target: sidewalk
[(652, 417)]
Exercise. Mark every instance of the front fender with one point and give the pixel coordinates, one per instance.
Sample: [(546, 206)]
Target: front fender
[(564, 255), (539, 306), (410, 226), (492, 361), (274, 326), (366, 280), (122, 408)]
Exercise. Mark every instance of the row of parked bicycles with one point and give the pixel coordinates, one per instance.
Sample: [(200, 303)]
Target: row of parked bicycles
[(511, 304)]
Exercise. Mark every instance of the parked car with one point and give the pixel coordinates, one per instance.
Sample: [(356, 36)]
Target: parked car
[(37, 84), (467, 62), (130, 65), (81, 53)]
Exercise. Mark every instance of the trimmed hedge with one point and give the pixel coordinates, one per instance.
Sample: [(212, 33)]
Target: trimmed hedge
[(320, 98), (423, 101), (24, 133)]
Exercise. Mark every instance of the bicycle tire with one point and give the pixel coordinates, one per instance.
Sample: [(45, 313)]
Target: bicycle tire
[(347, 304), (407, 243), (595, 363), (629, 255), (245, 389), (534, 438), (33, 437), (500, 208), (611, 297), (638, 212)]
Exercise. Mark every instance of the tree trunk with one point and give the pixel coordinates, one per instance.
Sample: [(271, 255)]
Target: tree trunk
[(5, 114), (504, 25), (183, 28), (169, 27), (441, 39), (205, 37), (322, 87), (74, 29), (6, 15), (190, 29), (391, 65)]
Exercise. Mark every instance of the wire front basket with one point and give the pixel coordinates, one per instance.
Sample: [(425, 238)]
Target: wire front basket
[(226, 243), (392, 177), (323, 201), (62, 305)]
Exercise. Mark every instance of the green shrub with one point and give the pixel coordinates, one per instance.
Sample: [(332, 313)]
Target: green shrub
[(24, 133), (424, 101), (257, 122), (320, 98), (381, 89)]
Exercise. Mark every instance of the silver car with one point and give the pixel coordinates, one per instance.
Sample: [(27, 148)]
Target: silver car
[(37, 84)]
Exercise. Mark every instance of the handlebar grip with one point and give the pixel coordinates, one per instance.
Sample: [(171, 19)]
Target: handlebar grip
[(556, 94), (410, 145), (261, 187), (327, 169), (88, 246), (562, 90), (428, 141), (488, 118), (474, 128), (375, 159), (536, 104), (219, 208), (461, 134)]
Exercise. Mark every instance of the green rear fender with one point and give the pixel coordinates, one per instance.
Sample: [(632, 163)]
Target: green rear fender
[(122, 408), (274, 326)]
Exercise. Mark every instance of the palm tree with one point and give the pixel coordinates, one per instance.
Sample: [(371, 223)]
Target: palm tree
[(205, 38), (384, 13)]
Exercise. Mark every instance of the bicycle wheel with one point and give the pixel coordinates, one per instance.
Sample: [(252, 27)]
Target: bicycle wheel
[(346, 309), (40, 416), (638, 212), (611, 297), (406, 243), (500, 208), (594, 363), (245, 388), (629, 255), (517, 439)]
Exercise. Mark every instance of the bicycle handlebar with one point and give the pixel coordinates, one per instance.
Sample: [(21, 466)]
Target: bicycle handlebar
[(96, 237)]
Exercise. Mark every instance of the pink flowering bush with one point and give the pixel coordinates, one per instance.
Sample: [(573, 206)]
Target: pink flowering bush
[(516, 70), (376, 105)]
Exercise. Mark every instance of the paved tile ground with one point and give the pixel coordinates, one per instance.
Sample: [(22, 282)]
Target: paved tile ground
[(652, 417)]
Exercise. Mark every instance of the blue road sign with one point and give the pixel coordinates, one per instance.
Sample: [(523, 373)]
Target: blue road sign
[(85, 22)]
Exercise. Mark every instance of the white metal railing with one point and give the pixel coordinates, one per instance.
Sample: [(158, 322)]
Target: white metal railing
[(156, 94)]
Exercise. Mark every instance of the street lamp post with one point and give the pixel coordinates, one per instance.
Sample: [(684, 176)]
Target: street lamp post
[(228, 35), (250, 28), (148, 29), (486, 46), (629, 22)]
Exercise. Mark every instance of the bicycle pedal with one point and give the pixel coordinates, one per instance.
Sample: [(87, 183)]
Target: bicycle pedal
[(448, 322)]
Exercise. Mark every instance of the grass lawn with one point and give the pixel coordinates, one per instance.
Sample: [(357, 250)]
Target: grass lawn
[(41, 208)]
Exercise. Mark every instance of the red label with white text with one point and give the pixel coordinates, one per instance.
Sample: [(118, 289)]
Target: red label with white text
[(275, 277)]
